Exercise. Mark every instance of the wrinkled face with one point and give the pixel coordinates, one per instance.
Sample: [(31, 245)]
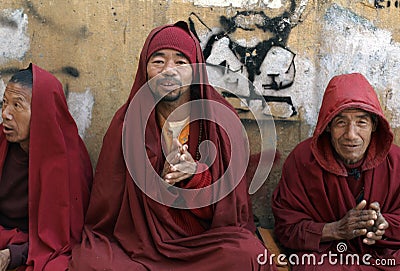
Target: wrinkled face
[(16, 113), (172, 74), (351, 132)]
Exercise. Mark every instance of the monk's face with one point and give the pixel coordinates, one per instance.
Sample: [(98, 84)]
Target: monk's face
[(174, 75), (16, 113), (351, 132)]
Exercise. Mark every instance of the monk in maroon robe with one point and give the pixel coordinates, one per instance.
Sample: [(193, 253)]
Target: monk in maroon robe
[(337, 205), (46, 175), (144, 216)]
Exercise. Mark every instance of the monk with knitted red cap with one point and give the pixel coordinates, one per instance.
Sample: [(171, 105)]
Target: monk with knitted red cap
[(169, 190)]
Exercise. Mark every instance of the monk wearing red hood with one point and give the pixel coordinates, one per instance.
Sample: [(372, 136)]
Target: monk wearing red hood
[(337, 205), (45, 175), (158, 200)]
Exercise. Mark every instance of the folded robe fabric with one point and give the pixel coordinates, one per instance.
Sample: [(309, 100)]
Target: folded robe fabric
[(60, 176), (313, 189), (127, 230)]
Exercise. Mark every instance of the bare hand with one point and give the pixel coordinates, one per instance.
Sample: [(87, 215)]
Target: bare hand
[(377, 230), (180, 164), (353, 224), (4, 259)]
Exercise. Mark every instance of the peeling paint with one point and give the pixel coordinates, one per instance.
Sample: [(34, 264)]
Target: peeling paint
[(80, 106), (13, 35), (352, 43)]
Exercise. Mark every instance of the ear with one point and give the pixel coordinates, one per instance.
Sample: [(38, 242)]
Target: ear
[(375, 121), (374, 126), (328, 128)]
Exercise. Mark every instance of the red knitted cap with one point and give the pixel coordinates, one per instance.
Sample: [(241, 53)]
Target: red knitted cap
[(175, 38)]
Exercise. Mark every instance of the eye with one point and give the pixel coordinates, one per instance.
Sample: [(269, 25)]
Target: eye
[(363, 122), (340, 123), (181, 62)]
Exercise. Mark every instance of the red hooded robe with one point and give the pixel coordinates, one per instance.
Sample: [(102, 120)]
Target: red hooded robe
[(60, 175), (127, 230), (313, 189)]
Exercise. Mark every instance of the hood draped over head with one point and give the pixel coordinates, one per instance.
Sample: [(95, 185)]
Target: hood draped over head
[(344, 92), (60, 176)]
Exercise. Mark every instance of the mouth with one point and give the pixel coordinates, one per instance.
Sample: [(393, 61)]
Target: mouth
[(169, 83), (7, 130), (351, 146)]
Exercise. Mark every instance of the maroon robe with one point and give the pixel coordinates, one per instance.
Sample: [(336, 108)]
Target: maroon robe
[(127, 230), (314, 188), (60, 175)]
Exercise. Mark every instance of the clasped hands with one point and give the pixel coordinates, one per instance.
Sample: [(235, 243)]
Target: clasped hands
[(362, 222), (179, 164)]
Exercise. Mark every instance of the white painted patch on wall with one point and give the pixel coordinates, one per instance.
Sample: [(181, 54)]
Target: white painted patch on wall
[(13, 35), (350, 43), (302, 91), (80, 106), (239, 3)]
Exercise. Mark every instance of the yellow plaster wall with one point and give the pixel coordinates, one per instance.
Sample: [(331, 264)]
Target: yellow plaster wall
[(102, 41)]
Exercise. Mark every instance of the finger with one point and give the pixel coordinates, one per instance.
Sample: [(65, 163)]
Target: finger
[(359, 232), (375, 206), (185, 167), (383, 225), (186, 157), (370, 216), (176, 145), (175, 177), (185, 154), (361, 205), (368, 241), (185, 148), (373, 236), (173, 157), (380, 232), (366, 217)]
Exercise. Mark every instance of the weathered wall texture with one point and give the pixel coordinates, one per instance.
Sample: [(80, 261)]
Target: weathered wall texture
[(287, 49)]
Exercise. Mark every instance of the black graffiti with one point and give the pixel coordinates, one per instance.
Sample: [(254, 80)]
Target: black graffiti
[(8, 22), (9, 71), (378, 4), (253, 61), (71, 71), (284, 99), (279, 27)]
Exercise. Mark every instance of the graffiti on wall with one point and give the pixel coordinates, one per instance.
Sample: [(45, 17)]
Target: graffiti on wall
[(252, 45), (386, 4), (15, 45)]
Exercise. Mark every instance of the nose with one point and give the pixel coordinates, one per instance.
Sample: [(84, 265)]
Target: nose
[(169, 68), (351, 131), (5, 113)]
